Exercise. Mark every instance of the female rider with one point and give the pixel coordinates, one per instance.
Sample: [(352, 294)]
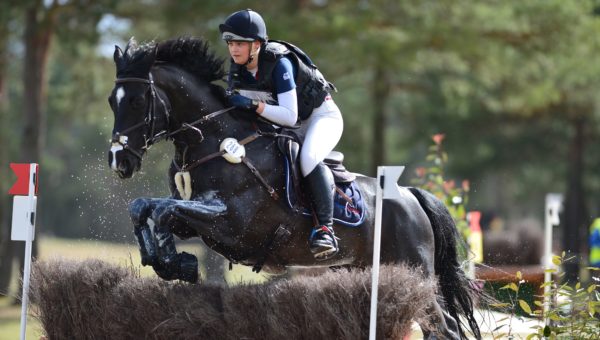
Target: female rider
[(279, 82)]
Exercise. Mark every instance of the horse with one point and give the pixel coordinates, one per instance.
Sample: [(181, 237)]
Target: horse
[(166, 91)]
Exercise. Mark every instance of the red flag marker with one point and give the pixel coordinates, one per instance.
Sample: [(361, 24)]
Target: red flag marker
[(21, 186)]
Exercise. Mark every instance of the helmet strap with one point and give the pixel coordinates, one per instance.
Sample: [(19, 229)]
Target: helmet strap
[(252, 54)]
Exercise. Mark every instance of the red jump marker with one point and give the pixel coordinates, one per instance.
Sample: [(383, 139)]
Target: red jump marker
[(21, 186)]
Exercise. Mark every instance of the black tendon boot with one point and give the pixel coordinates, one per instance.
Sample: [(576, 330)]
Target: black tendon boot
[(170, 264), (321, 187)]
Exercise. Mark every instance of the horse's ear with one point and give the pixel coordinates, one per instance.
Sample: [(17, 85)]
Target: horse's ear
[(118, 57)]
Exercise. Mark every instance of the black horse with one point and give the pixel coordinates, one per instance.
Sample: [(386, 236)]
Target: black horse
[(164, 91)]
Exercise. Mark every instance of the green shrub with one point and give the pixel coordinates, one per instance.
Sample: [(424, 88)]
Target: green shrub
[(432, 179), (573, 310)]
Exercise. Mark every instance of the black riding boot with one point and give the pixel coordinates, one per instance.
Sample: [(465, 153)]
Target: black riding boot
[(321, 187)]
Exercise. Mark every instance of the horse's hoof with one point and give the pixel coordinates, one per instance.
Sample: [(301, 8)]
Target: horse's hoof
[(188, 268), (182, 266), (149, 260)]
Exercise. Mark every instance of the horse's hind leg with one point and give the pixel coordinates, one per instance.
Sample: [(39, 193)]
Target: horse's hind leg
[(444, 326)]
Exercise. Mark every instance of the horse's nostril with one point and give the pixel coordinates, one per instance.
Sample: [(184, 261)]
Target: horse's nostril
[(125, 164)]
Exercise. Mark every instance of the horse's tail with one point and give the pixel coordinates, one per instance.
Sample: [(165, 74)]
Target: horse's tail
[(457, 290)]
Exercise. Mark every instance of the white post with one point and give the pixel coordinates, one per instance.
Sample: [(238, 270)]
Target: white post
[(28, 245), (387, 177), (552, 218)]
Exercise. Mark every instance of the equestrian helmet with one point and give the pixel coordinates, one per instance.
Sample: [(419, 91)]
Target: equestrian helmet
[(244, 25)]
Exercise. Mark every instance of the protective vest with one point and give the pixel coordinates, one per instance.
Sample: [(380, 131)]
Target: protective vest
[(595, 243), (311, 86)]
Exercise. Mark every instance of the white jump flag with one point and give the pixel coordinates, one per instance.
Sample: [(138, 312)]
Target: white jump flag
[(23, 223), (554, 205), (387, 188)]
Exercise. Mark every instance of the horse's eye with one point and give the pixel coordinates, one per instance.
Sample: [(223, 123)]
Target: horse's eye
[(137, 102)]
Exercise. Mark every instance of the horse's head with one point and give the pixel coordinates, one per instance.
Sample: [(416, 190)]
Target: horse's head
[(140, 112)]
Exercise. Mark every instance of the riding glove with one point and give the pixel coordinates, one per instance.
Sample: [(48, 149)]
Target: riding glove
[(242, 102)]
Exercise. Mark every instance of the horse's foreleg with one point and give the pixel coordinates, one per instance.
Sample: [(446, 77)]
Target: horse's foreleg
[(140, 211), (170, 265), (156, 242)]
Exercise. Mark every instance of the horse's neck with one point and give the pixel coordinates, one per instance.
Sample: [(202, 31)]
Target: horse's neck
[(190, 101)]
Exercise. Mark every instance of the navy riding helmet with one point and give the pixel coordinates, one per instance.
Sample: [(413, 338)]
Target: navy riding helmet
[(244, 25)]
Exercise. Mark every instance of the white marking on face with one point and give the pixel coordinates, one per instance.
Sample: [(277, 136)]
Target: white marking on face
[(116, 147), (119, 95)]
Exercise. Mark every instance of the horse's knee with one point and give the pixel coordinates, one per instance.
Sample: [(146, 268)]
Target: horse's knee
[(140, 210), (162, 215)]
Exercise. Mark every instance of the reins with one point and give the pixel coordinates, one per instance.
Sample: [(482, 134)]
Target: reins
[(150, 117), (206, 118), (150, 121)]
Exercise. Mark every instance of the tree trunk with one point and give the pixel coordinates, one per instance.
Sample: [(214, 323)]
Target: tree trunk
[(37, 45), (574, 221), (381, 92), (4, 169), (39, 26)]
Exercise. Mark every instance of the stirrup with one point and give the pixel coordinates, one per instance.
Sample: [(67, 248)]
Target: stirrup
[(323, 243)]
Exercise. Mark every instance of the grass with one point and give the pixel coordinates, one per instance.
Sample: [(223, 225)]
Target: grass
[(126, 255), (10, 322)]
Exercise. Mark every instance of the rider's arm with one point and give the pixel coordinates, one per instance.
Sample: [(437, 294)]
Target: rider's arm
[(285, 113)]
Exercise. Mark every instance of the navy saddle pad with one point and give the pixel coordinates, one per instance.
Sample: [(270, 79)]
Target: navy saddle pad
[(350, 212)]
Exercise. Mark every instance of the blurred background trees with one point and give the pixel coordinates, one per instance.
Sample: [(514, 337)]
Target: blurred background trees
[(510, 83)]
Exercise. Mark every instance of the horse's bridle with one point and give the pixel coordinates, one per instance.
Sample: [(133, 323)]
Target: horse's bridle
[(149, 122), (150, 118)]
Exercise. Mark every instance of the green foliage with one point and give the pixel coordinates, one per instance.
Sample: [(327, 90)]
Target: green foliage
[(433, 179), (515, 303), (572, 310)]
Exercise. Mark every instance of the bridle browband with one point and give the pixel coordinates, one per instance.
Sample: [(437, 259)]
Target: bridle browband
[(150, 118)]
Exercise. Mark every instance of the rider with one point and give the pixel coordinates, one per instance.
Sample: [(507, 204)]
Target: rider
[(278, 82)]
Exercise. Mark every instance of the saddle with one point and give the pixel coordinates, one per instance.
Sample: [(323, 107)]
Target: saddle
[(349, 208)]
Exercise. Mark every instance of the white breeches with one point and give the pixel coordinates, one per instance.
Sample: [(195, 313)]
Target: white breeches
[(325, 126)]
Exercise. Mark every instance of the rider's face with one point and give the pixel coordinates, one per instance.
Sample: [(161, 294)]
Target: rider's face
[(240, 51)]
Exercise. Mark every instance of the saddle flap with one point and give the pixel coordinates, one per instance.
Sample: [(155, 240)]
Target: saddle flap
[(334, 157), (334, 162)]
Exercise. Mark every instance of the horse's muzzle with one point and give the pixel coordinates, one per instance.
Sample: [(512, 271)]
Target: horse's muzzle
[(123, 162)]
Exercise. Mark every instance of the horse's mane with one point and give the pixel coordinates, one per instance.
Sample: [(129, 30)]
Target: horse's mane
[(191, 54)]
